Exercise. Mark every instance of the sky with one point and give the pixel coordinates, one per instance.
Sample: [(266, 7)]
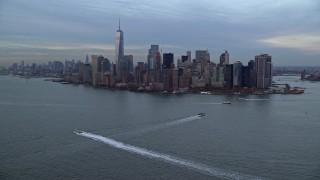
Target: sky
[(40, 31)]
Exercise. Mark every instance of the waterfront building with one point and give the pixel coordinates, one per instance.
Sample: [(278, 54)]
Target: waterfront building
[(167, 79), (228, 76), (119, 55), (251, 66), (246, 77), (75, 78), (184, 82), (146, 79), (105, 68), (96, 69), (263, 71), (138, 75), (237, 74), (207, 72), (217, 78), (214, 76), (197, 82), (224, 59), (175, 79), (107, 79), (87, 73), (221, 74)]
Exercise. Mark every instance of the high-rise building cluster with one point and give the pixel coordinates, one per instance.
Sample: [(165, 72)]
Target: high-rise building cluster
[(160, 73)]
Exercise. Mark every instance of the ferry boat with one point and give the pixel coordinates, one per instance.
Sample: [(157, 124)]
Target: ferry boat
[(296, 91), (201, 114)]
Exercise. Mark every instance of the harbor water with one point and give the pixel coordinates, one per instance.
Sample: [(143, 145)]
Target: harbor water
[(132, 136)]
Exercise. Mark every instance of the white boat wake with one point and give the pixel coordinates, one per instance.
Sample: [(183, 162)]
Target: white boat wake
[(212, 103), (179, 121), (216, 172), (159, 127), (256, 99)]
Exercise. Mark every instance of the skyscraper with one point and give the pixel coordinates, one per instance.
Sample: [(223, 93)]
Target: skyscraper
[(96, 70), (246, 77), (153, 56), (202, 56), (167, 61), (120, 63), (224, 59), (228, 76), (87, 59), (105, 67), (129, 63), (184, 59), (237, 74), (189, 57), (263, 71), (251, 66)]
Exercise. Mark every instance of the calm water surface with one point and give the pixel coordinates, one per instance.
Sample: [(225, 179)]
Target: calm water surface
[(268, 137)]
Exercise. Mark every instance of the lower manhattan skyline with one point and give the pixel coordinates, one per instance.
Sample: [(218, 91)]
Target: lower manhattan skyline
[(182, 90), (38, 31)]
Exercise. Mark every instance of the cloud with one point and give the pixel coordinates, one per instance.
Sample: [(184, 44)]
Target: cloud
[(75, 27), (309, 43)]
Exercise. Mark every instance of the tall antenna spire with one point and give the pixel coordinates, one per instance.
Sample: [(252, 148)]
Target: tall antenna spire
[(119, 23)]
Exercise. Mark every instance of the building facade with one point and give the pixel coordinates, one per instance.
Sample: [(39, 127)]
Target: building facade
[(96, 69), (228, 76), (263, 71), (167, 61), (237, 74), (153, 58), (224, 59)]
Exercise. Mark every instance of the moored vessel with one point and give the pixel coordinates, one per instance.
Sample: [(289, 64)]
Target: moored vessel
[(296, 91)]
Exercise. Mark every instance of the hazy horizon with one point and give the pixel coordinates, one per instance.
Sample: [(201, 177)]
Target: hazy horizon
[(42, 31)]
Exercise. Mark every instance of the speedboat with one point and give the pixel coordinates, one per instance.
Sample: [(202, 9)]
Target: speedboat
[(77, 131), (226, 102), (201, 114)]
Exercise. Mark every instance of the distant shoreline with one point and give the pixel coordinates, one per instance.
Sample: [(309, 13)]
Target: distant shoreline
[(203, 91)]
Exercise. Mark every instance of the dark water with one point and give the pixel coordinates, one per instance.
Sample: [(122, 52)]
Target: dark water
[(268, 137)]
